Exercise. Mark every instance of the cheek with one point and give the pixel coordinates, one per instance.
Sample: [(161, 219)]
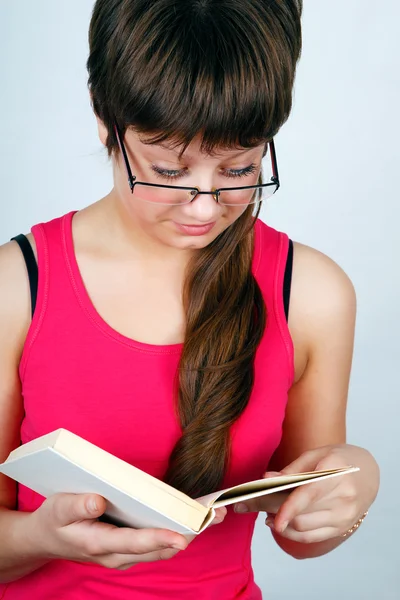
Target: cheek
[(147, 214), (238, 212), (233, 213)]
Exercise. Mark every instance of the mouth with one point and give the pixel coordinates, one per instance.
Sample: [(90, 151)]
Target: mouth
[(195, 229)]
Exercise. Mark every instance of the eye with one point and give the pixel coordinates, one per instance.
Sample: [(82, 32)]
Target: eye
[(250, 170), (168, 174), (174, 174)]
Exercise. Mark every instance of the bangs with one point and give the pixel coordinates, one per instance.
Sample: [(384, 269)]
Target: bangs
[(216, 75)]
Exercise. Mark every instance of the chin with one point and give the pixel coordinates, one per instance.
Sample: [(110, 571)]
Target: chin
[(190, 244), (195, 242)]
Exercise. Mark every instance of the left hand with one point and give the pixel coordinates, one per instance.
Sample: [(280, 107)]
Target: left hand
[(326, 509)]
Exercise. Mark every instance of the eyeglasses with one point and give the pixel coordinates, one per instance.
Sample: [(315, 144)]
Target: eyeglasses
[(172, 194)]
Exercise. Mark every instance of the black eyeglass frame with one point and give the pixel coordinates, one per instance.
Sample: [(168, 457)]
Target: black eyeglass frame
[(215, 193)]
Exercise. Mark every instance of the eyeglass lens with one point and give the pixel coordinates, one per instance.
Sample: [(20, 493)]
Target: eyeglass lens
[(229, 197)]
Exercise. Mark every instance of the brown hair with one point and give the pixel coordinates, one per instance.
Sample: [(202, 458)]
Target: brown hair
[(173, 69)]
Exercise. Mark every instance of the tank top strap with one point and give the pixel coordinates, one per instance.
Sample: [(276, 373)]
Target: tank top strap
[(271, 253), (54, 286), (270, 259)]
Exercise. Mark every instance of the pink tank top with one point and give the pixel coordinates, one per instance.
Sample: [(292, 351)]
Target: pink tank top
[(79, 373)]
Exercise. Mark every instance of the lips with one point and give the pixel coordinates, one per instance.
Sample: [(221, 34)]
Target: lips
[(195, 229)]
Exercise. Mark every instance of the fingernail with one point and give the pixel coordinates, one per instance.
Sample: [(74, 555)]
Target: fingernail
[(283, 526), (92, 506), (177, 546), (269, 522), (220, 515), (241, 508)]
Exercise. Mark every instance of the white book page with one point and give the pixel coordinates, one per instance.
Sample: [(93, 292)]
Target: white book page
[(262, 487)]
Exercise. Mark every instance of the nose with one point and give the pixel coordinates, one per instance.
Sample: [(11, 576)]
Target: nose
[(203, 209)]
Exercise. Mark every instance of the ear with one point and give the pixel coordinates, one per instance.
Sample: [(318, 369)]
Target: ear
[(102, 129)]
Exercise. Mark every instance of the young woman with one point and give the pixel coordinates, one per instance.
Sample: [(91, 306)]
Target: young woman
[(156, 323)]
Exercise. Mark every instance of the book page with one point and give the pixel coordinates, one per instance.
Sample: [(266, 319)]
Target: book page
[(261, 487)]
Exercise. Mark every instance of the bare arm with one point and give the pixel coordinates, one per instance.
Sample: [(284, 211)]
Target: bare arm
[(322, 322), (16, 557)]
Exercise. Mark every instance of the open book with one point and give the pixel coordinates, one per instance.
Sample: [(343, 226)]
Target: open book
[(62, 462)]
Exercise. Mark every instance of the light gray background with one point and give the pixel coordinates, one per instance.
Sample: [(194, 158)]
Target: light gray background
[(339, 166)]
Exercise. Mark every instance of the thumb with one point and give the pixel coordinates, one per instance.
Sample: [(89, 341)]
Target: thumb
[(271, 474), (70, 508)]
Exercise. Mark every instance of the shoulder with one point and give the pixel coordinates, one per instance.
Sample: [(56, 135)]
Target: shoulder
[(322, 304), (320, 287), (315, 275), (15, 297), (317, 281)]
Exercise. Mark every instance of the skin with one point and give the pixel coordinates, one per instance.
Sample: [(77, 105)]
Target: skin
[(132, 258)]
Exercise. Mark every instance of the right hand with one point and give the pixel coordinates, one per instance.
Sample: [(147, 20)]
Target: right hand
[(66, 527)]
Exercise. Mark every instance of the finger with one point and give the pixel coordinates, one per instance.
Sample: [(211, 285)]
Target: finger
[(307, 461), (70, 508), (310, 537), (329, 502), (220, 514), (270, 503), (302, 500), (315, 520), (123, 562), (124, 540)]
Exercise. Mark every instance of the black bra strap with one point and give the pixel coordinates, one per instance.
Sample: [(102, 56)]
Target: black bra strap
[(31, 266), (287, 281)]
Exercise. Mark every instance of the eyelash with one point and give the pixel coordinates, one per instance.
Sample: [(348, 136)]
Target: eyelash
[(174, 175)]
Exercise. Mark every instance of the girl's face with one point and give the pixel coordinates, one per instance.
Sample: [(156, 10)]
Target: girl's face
[(187, 226)]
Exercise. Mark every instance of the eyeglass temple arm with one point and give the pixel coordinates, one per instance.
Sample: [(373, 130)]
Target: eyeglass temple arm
[(131, 178), (274, 162)]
